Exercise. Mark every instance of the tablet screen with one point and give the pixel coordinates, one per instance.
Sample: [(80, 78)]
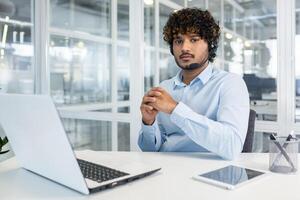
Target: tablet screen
[(232, 175)]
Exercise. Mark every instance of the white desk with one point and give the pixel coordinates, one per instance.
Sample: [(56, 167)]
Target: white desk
[(172, 182)]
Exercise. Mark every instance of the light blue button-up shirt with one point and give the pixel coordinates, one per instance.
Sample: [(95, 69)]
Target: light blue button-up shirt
[(211, 115)]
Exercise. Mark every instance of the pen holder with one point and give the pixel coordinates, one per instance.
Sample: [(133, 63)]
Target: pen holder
[(283, 155)]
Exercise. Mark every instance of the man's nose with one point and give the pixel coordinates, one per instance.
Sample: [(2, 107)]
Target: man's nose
[(186, 46)]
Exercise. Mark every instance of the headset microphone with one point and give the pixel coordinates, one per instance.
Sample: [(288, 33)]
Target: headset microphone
[(193, 66)]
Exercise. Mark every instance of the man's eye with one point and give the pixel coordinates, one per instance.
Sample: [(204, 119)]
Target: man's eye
[(194, 40), (178, 41)]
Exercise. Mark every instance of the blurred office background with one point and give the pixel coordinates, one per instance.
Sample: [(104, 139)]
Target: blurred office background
[(96, 58)]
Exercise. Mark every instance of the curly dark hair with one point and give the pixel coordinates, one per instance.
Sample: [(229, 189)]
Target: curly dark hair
[(193, 20)]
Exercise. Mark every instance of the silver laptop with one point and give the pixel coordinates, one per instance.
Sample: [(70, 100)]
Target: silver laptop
[(39, 141)]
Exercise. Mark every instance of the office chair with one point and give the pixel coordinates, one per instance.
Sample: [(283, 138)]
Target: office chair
[(250, 132)]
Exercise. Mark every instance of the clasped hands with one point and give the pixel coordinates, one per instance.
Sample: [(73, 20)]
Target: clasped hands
[(155, 100)]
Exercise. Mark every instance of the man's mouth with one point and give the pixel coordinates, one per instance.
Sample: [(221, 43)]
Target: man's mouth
[(186, 57)]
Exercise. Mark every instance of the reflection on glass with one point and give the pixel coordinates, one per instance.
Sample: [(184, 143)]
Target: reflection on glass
[(78, 73), (214, 6), (88, 134), (261, 142), (197, 4), (297, 62), (248, 29), (123, 136), (232, 175), (124, 109), (180, 2), (123, 19), (149, 23), (233, 48), (228, 51), (228, 15), (167, 67), (122, 57), (149, 69), (92, 17), (253, 53), (123, 84), (164, 13), (123, 73), (239, 22), (16, 48)]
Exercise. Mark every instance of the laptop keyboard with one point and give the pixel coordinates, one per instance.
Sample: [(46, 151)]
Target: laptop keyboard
[(97, 172)]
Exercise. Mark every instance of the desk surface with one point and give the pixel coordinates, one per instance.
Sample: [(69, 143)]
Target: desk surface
[(172, 182)]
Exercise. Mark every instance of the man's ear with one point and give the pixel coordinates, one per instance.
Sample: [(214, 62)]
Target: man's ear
[(171, 49)]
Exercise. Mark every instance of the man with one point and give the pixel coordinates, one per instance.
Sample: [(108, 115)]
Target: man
[(201, 108)]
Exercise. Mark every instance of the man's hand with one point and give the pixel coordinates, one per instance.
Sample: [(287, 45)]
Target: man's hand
[(148, 112), (161, 100)]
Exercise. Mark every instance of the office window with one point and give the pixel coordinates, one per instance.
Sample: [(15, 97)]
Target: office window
[(17, 69), (123, 20), (179, 2), (239, 23), (122, 70), (167, 66), (297, 62), (16, 49), (214, 6), (164, 12), (261, 142), (149, 23), (92, 17), (78, 75), (89, 134), (88, 59), (254, 54), (125, 109), (149, 40), (228, 15), (123, 136), (149, 71), (197, 3)]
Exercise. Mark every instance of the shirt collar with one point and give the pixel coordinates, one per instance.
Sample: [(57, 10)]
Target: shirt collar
[(204, 76)]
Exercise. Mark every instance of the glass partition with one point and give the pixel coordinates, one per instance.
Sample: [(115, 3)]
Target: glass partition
[(89, 134), (86, 40), (123, 20), (228, 15), (78, 75), (297, 62), (149, 26), (123, 136), (164, 12), (253, 53), (149, 72), (93, 17), (16, 47), (167, 67)]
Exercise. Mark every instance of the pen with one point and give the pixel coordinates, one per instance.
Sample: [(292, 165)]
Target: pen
[(273, 138), (290, 136)]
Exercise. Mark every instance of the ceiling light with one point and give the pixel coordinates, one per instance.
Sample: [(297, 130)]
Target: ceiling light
[(148, 2), (4, 35), (228, 36), (247, 44)]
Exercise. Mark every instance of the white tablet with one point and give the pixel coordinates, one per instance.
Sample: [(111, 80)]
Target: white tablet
[(230, 177)]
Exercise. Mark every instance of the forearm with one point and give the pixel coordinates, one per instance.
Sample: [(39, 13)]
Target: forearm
[(224, 137)]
